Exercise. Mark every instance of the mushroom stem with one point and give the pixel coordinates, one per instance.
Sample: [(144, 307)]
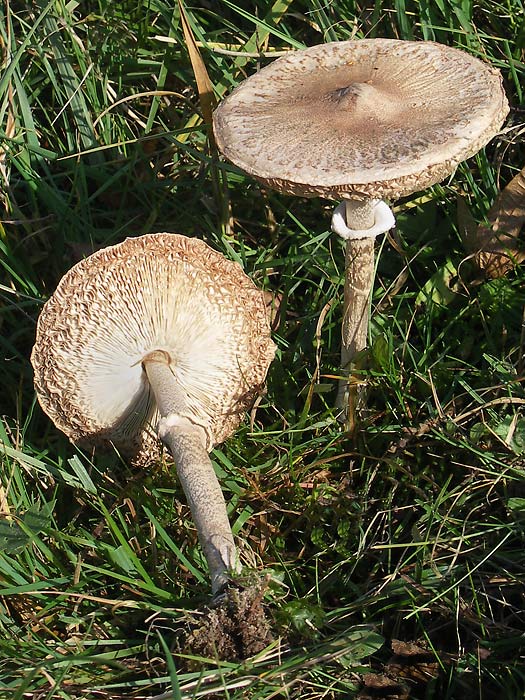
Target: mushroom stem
[(187, 443), (359, 278)]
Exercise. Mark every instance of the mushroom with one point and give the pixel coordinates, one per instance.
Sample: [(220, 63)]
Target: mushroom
[(159, 333), (360, 120)]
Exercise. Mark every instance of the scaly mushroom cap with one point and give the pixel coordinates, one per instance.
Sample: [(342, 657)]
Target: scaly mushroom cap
[(155, 292), (369, 118)]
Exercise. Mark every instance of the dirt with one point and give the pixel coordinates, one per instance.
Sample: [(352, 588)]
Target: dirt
[(234, 628)]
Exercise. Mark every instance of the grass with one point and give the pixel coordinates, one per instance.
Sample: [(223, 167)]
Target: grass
[(411, 535)]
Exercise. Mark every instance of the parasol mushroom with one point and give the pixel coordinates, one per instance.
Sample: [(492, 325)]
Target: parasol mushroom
[(360, 120), (157, 334)]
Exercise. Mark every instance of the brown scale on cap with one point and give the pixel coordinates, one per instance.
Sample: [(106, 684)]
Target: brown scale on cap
[(156, 292), (368, 118)]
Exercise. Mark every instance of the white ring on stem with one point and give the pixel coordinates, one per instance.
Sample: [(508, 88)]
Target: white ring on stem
[(384, 220)]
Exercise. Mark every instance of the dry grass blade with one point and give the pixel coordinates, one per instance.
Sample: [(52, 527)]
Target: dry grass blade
[(129, 98), (11, 121), (10, 124), (204, 84), (497, 248)]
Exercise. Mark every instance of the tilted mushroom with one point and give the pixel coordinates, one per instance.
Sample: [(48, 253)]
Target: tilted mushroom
[(360, 120), (159, 333)]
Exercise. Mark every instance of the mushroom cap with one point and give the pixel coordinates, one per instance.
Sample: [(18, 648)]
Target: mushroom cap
[(155, 292), (368, 118)]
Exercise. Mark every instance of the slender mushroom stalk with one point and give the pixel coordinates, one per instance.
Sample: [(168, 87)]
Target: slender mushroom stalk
[(157, 337), (187, 443), (359, 277), (358, 222), (360, 120)]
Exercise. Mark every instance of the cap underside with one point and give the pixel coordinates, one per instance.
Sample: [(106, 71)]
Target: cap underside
[(156, 292)]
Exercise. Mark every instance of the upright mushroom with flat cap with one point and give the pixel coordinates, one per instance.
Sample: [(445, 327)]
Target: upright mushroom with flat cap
[(159, 333), (360, 120)]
